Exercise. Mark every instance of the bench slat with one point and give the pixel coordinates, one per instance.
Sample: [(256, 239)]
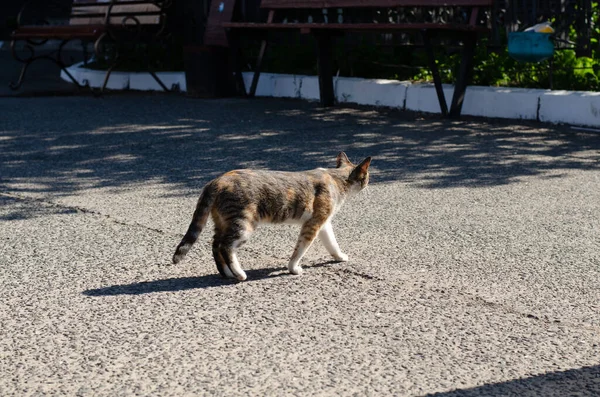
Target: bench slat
[(317, 4), (62, 32), (306, 27), (84, 3), (147, 14)]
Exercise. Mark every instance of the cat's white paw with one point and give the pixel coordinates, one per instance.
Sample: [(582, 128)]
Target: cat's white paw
[(297, 270), (341, 257), (228, 272)]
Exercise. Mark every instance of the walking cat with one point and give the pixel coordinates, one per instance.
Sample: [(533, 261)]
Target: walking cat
[(242, 199)]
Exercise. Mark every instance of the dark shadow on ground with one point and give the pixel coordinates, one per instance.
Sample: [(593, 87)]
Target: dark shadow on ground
[(200, 282), (61, 146), (177, 284), (575, 382)]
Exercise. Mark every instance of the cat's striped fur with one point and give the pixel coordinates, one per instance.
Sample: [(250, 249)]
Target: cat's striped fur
[(240, 200)]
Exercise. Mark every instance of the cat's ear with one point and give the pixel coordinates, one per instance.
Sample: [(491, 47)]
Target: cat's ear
[(361, 170), (342, 160)]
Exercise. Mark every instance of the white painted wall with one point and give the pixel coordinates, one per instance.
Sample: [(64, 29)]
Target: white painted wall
[(510, 103), (423, 98), (145, 82), (391, 93), (570, 107), (95, 78)]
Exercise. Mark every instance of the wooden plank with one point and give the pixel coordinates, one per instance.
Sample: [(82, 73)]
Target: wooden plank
[(271, 4), (63, 32), (147, 14), (221, 11), (308, 27)]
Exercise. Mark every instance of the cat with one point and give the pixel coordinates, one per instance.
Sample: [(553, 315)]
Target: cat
[(240, 200)]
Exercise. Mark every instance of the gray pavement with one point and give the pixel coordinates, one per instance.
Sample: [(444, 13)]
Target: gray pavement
[(474, 263)]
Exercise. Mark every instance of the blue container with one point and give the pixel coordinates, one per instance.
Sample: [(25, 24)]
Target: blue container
[(530, 46)]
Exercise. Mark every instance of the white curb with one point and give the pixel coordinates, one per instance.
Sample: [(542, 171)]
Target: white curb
[(423, 98), (145, 82), (124, 80), (571, 107), (265, 83), (309, 89), (510, 103), (390, 93), (95, 78)]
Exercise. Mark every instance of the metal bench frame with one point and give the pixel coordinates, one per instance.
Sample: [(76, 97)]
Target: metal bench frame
[(113, 26)]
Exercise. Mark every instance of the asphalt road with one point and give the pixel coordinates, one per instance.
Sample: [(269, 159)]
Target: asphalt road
[(474, 254)]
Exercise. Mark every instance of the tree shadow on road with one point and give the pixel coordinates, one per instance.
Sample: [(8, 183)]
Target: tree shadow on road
[(574, 382), (122, 142)]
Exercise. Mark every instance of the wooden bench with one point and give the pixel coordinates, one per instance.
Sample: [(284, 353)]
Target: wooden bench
[(111, 25), (468, 29)]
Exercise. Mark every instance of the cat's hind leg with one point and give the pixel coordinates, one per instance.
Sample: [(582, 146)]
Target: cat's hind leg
[(235, 237), (327, 237), (222, 267), (232, 263)]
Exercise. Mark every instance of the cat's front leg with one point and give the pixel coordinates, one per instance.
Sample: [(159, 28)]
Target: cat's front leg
[(328, 239), (301, 246), (308, 233)]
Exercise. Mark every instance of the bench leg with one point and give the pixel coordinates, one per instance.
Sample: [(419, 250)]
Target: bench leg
[(63, 66), (435, 72), (238, 57), (57, 59), (159, 81), (236, 63), (99, 51), (325, 66), (464, 75), (110, 69), (26, 62), (263, 49), (261, 55)]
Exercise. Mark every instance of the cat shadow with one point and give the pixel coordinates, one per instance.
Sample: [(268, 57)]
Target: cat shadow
[(185, 283)]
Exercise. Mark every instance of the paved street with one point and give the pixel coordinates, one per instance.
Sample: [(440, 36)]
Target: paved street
[(474, 254)]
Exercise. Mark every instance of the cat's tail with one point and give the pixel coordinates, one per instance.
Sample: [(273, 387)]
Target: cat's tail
[(199, 219)]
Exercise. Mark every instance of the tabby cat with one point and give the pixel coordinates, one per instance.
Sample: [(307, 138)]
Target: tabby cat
[(240, 200)]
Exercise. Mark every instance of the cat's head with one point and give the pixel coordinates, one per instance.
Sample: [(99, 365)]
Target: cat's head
[(358, 174)]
